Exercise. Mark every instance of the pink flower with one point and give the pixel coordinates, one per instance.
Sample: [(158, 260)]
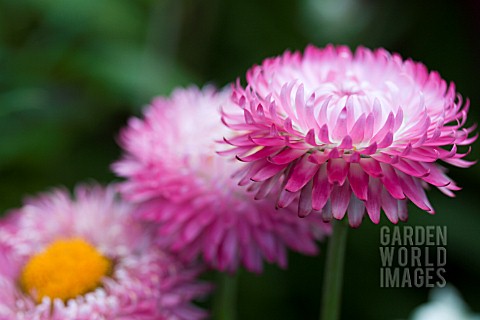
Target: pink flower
[(85, 259), (348, 132), (180, 182)]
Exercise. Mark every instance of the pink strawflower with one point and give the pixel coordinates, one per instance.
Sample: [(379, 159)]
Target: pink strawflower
[(348, 132), (182, 184), (40, 276)]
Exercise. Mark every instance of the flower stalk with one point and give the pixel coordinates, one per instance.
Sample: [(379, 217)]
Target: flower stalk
[(225, 305), (333, 276)]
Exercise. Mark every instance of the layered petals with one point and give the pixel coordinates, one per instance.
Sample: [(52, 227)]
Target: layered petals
[(196, 206), (144, 282), (369, 120)]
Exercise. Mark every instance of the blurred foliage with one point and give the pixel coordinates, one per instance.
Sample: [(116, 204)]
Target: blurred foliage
[(73, 71)]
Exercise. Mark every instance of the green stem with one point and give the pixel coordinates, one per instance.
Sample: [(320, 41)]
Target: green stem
[(225, 304), (332, 281)]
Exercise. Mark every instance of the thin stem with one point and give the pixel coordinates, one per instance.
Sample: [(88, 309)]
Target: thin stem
[(225, 304), (333, 277)]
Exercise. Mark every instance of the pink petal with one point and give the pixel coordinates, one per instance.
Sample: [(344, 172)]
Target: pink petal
[(402, 210), (460, 162), (267, 242), (327, 212), (268, 171), (371, 149), (436, 176), (340, 197), (321, 189), (415, 192), (323, 134), (248, 171), (267, 141), (358, 130), (337, 171), (340, 129), (300, 105), (387, 127), (286, 198), (267, 187), (346, 143), (372, 167), (318, 157), (368, 129), (390, 206), (398, 119), (302, 173), (386, 141), (305, 202), (356, 209), (261, 154), (390, 181), (373, 202), (248, 117), (424, 155), (411, 168), (358, 181), (286, 156), (252, 258), (239, 141), (310, 137), (228, 251)]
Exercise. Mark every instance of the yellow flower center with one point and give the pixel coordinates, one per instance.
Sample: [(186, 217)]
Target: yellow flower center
[(65, 269)]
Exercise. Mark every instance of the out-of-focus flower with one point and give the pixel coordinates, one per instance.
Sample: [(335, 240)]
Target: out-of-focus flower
[(348, 132), (87, 259), (445, 304), (182, 184)]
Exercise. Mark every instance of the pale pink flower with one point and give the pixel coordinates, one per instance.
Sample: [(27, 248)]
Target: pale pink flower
[(178, 180), (348, 132), (142, 283)]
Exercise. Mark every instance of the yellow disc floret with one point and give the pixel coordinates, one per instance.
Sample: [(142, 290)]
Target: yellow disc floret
[(66, 269)]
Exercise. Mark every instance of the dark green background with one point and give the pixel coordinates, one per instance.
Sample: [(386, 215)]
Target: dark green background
[(73, 71)]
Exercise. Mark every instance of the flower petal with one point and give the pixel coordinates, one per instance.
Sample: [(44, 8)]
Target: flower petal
[(340, 197)]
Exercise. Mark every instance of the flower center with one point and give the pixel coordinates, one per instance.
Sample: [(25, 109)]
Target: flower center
[(65, 269)]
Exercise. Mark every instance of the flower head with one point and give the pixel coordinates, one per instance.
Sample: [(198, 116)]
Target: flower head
[(180, 182), (87, 259), (348, 131)]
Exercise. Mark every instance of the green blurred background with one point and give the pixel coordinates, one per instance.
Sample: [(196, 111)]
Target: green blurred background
[(73, 71)]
